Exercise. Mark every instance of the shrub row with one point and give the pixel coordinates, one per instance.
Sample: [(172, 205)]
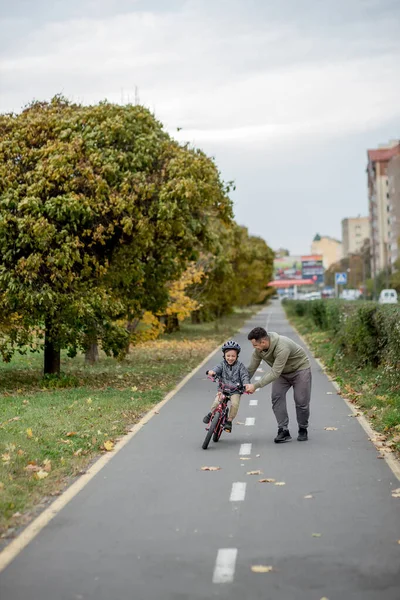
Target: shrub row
[(366, 331)]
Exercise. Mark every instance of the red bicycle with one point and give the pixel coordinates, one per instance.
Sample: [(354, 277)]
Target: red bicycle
[(219, 415)]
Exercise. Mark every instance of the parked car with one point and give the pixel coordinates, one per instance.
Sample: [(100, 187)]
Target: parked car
[(388, 297), (350, 295)]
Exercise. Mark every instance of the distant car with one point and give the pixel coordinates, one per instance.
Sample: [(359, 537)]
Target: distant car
[(388, 297), (350, 295)]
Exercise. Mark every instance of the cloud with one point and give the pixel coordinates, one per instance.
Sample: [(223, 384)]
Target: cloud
[(272, 79)]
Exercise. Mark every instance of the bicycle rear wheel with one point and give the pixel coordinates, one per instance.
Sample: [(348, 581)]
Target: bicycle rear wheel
[(210, 432)]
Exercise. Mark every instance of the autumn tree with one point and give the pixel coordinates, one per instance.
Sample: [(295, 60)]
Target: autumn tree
[(99, 210)]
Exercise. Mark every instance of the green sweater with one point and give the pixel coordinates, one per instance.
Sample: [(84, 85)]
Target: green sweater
[(283, 356)]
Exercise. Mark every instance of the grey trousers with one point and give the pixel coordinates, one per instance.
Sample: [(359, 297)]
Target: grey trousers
[(301, 382)]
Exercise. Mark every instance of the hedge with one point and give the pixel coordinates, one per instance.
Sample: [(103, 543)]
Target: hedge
[(367, 331)]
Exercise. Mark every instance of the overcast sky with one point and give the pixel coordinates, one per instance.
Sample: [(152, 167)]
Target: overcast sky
[(287, 95)]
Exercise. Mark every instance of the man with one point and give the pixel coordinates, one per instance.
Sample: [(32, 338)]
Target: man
[(290, 367)]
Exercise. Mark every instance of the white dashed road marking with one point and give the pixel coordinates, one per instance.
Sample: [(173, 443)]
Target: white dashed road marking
[(258, 378), (238, 491), (225, 565), (245, 449), (250, 421), (253, 402)]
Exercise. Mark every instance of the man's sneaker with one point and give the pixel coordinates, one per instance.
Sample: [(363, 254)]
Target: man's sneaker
[(283, 436), (303, 435), (228, 426), (207, 418)]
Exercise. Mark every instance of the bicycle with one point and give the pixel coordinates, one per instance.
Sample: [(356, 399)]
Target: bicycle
[(219, 415)]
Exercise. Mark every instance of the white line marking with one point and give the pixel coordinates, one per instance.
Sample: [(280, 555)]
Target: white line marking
[(225, 565), (257, 390), (250, 421), (245, 449), (238, 491), (32, 530), (253, 402), (258, 378)]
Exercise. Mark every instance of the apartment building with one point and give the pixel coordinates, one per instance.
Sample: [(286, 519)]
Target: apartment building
[(328, 247), (381, 234), (355, 230), (393, 173)]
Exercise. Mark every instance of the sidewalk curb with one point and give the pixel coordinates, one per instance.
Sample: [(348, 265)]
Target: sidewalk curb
[(33, 529), (392, 462)]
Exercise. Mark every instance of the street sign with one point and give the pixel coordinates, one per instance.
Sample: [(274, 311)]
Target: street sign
[(340, 278)]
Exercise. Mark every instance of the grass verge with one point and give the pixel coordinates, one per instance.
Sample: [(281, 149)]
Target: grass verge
[(366, 387), (52, 428)]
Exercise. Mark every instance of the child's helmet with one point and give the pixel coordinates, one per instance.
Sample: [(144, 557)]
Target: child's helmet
[(231, 345)]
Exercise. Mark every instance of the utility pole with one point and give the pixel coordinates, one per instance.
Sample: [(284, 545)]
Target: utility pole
[(137, 99)]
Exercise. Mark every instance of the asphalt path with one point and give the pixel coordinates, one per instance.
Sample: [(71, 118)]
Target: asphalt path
[(151, 525)]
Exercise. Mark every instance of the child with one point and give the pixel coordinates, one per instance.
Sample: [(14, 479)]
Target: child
[(231, 372)]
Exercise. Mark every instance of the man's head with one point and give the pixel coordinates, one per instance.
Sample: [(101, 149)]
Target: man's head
[(259, 338)]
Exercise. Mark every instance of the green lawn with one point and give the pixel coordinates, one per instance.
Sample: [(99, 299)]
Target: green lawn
[(51, 428)]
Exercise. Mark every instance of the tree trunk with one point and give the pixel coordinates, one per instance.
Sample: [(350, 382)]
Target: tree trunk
[(196, 317), (52, 354), (92, 354), (172, 324)]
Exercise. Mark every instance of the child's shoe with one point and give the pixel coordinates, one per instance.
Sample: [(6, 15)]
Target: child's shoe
[(207, 418), (228, 426)]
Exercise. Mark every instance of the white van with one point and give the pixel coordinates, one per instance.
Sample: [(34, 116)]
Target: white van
[(388, 297)]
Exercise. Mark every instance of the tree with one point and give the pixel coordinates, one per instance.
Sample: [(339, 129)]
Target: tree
[(99, 210)]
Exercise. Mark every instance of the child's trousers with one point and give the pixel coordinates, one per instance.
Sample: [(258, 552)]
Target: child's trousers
[(233, 410)]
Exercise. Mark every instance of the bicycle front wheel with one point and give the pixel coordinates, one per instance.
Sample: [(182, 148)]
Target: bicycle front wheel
[(210, 432)]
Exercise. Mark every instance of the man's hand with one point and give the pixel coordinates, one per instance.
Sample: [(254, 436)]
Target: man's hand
[(250, 389), (211, 373)]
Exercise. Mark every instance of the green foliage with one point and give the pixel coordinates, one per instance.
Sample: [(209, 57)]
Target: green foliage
[(367, 332), (99, 210)]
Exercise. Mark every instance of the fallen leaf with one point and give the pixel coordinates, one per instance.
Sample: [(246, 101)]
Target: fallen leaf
[(210, 468), (70, 433), (239, 423), (108, 445), (89, 401), (20, 452), (244, 458), (398, 541), (32, 468), (267, 480), (258, 455), (316, 534), (2, 488), (41, 474), (329, 393), (134, 389), (254, 472), (47, 465), (308, 496), (25, 402), (65, 441), (29, 433), (330, 428), (280, 483), (396, 493), (17, 514), (6, 457), (14, 419), (262, 568), (78, 452), (156, 412)]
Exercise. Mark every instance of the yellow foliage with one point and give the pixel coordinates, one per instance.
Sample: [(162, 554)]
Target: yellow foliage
[(180, 304), (148, 329)]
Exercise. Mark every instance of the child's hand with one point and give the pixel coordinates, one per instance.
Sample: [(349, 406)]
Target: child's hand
[(250, 389), (211, 373)]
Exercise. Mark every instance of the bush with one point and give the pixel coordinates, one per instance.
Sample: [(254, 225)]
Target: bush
[(366, 331)]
